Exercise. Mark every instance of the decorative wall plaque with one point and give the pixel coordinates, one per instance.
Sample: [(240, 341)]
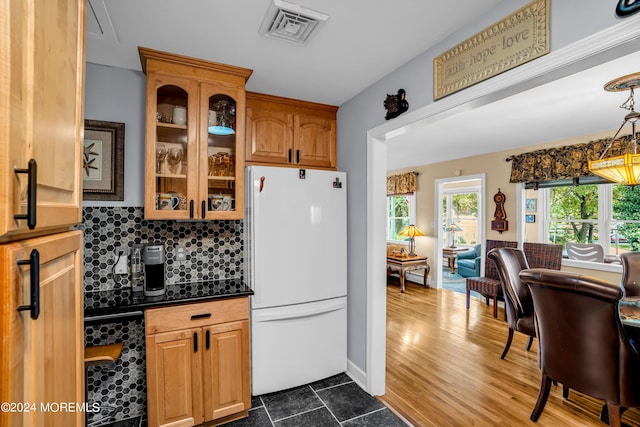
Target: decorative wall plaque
[(500, 222), (513, 41)]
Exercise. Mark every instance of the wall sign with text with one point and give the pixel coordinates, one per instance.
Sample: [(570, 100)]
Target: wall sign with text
[(513, 41)]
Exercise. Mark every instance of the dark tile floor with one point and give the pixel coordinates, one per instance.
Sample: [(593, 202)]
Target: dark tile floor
[(335, 401)]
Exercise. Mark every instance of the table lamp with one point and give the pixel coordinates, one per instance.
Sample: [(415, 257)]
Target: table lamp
[(453, 229), (411, 232)]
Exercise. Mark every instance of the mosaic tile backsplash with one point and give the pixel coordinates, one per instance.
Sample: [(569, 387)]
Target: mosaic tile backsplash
[(214, 251), (214, 248)]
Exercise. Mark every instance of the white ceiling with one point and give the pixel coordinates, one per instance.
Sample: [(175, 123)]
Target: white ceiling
[(568, 107), (361, 42)]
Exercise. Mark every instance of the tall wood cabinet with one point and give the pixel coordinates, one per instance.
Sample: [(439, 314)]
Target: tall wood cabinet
[(198, 363), (195, 128), (41, 306), (41, 110), (289, 132)]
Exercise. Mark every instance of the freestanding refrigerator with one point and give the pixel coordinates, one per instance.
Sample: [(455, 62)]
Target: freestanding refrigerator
[(295, 255)]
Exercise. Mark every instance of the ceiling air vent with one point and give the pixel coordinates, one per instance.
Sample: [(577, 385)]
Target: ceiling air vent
[(290, 22)]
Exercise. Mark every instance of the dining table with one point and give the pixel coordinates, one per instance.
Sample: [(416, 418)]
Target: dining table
[(630, 311)]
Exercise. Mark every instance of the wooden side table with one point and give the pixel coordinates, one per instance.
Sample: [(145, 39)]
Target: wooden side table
[(403, 264), (451, 255)]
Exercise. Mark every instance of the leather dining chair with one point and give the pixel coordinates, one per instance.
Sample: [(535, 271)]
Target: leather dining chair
[(581, 342), (517, 298), (631, 273)]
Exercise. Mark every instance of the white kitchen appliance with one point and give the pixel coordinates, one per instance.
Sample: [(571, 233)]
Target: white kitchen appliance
[(296, 264)]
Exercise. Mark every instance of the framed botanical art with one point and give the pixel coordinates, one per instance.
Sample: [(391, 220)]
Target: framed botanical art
[(103, 160)]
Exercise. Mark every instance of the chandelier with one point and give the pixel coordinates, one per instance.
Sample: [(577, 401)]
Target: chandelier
[(624, 169)]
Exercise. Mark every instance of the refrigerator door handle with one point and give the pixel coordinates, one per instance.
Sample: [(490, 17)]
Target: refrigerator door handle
[(294, 312)]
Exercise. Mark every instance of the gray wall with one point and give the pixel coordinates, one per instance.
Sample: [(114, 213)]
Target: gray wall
[(118, 95), (571, 20)]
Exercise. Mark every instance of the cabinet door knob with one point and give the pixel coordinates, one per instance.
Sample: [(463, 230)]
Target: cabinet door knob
[(32, 184), (34, 282)]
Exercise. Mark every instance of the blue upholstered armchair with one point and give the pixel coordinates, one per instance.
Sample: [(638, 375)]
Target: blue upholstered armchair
[(469, 262)]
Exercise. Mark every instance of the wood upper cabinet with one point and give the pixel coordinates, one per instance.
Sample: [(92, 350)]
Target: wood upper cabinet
[(289, 132), (198, 363), (195, 126), (42, 357), (41, 115)]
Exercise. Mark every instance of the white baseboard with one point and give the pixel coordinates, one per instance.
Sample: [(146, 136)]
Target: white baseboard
[(357, 375)]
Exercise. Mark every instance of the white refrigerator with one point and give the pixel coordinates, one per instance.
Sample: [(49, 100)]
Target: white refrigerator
[(296, 264)]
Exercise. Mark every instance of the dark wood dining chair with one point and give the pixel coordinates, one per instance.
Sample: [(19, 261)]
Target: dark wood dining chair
[(581, 341)]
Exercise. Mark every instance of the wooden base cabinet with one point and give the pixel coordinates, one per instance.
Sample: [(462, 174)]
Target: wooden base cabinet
[(42, 356), (198, 363), (288, 132)]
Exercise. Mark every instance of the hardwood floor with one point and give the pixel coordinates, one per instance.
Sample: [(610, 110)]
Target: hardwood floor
[(444, 367)]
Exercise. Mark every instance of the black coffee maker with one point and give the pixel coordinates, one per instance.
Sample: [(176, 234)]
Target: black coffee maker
[(154, 269)]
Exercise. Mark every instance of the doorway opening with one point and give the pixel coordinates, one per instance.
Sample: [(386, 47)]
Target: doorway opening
[(460, 221)]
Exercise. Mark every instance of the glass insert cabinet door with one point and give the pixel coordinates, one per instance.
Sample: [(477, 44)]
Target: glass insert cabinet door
[(222, 110), (172, 144), (197, 169)]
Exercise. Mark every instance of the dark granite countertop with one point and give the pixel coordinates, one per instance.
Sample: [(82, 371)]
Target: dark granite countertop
[(100, 306)]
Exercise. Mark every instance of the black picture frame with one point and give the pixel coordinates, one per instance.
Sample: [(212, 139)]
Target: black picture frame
[(103, 161)]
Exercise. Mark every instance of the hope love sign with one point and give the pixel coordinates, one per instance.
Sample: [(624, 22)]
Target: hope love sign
[(513, 41)]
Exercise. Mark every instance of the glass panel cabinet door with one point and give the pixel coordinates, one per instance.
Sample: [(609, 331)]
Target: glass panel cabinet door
[(222, 109), (172, 142)]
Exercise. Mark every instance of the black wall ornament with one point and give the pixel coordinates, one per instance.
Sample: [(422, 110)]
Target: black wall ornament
[(626, 8), (396, 104)]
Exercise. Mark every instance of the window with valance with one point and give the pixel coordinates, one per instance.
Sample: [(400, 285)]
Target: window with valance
[(566, 163), (402, 184)]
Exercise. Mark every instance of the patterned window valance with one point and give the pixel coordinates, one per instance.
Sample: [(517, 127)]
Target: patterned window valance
[(568, 162), (401, 184)]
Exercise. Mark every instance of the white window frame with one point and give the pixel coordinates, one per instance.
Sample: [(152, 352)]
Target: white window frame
[(605, 222), (448, 194), (412, 214)]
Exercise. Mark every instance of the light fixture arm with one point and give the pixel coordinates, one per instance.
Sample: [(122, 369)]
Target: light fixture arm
[(632, 117)]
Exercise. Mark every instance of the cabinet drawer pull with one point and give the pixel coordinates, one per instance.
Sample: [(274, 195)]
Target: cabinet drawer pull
[(207, 339), (32, 184), (204, 209), (34, 282), (201, 316), (195, 342)]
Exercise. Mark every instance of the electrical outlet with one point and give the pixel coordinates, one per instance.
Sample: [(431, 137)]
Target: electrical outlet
[(180, 253), (121, 262)]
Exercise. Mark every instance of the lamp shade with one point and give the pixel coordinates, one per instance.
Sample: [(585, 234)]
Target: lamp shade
[(454, 227), (411, 231), (624, 169)]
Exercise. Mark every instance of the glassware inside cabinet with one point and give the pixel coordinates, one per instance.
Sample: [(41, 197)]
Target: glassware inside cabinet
[(221, 153), (171, 148)]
